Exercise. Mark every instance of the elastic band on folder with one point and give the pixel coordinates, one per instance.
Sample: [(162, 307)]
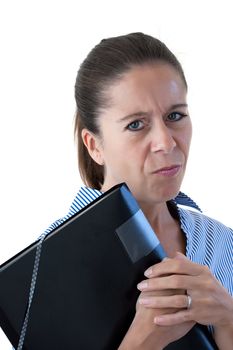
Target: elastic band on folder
[(31, 292)]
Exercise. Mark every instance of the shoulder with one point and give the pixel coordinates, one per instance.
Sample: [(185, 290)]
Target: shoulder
[(193, 220), (84, 196), (197, 222)]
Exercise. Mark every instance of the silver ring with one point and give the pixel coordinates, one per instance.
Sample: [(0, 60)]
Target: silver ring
[(189, 302)]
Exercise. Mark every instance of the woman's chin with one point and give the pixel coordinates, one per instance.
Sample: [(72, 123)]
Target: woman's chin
[(160, 196)]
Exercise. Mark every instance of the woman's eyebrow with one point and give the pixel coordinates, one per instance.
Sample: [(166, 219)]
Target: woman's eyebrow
[(178, 105), (146, 114), (129, 116)]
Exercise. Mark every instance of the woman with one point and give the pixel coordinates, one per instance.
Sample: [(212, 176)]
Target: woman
[(133, 126)]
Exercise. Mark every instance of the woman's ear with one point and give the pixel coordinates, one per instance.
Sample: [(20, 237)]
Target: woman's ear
[(93, 145)]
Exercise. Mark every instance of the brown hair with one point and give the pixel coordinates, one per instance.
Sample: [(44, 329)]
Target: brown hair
[(106, 63)]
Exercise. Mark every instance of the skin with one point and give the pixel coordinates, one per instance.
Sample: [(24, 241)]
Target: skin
[(147, 127), (159, 141)]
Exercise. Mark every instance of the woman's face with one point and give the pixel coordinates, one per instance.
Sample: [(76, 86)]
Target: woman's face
[(146, 132)]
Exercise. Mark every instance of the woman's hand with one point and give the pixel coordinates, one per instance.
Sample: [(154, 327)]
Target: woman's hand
[(144, 334), (210, 301)]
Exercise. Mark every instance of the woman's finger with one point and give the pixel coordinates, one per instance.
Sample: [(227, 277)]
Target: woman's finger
[(184, 282), (178, 265), (160, 302), (174, 319)]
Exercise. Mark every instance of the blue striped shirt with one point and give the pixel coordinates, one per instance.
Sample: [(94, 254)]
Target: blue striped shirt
[(208, 242)]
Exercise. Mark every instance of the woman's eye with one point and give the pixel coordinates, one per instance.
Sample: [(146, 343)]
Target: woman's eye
[(135, 125), (176, 116)]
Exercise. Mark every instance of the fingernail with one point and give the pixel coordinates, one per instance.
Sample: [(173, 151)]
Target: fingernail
[(158, 319), (144, 301), (148, 272), (143, 285), (166, 258)]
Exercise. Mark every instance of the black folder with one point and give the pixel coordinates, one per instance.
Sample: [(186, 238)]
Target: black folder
[(85, 291)]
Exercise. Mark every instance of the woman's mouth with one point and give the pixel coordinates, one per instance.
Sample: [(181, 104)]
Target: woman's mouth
[(168, 171)]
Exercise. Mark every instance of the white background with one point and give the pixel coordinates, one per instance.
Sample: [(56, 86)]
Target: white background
[(41, 47)]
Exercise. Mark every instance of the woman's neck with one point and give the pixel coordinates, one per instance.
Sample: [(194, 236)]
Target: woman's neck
[(166, 227), (158, 215)]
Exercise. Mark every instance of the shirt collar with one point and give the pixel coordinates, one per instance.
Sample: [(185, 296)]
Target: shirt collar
[(86, 195)]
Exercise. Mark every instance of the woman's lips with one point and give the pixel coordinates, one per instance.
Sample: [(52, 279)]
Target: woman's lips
[(168, 171)]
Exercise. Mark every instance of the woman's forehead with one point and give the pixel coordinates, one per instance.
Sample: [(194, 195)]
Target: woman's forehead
[(148, 86)]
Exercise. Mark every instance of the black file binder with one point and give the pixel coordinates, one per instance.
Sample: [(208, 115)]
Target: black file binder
[(86, 291)]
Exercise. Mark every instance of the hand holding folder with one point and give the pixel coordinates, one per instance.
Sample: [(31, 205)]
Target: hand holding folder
[(85, 292)]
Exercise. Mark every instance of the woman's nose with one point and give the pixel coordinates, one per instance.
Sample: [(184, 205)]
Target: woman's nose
[(162, 139)]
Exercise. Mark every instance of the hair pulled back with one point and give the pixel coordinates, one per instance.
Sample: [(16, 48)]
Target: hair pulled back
[(106, 63)]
